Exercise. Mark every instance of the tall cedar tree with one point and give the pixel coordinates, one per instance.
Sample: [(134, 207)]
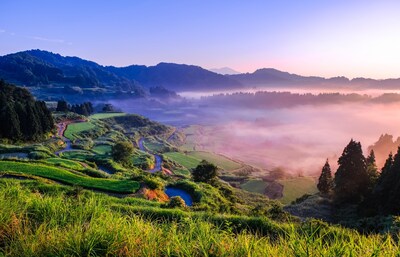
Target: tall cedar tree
[(325, 181), (205, 172), (21, 117), (62, 106), (387, 191), (372, 171), (351, 178)]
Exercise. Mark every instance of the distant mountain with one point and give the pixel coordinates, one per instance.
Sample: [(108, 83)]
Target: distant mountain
[(178, 77), (52, 76), (36, 68), (224, 71), (271, 77)]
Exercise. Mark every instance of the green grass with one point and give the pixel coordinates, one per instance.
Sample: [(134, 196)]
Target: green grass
[(219, 160), (80, 155), (100, 116), (296, 187), (255, 186), (64, 176), (182, 172), (187, 161), (153, 146), (102, 149), (53, 222), (75, 128), (70, 164)]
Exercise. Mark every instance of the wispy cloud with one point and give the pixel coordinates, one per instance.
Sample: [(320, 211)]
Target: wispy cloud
[(2, 30), (52, 40)]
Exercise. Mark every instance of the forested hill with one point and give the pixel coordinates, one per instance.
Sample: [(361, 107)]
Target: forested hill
[(36, 68), (21, 117)]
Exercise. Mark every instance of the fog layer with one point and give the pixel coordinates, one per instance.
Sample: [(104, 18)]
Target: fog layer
[(297, 133)]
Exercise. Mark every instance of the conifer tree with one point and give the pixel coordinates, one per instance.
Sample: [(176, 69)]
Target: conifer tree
[(372, 170), (351, 178), (325, 181)]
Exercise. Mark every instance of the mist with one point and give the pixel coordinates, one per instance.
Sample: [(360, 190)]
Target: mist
[(297, 134)]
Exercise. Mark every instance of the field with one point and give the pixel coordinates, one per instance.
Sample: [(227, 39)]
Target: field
[(102, 149), (80, 155), (64, 176), (219, 160), (255, 186), (100, 116), (188, 162), (65, 163), (296, 187), (76, 128)]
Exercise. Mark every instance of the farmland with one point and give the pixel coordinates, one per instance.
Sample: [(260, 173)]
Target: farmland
[(64, 176)]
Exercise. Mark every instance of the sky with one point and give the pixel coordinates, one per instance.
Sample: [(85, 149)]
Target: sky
[(325, 38)]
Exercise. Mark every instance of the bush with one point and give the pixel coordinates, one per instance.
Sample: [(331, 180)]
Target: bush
[(176, 201), (153, 183)]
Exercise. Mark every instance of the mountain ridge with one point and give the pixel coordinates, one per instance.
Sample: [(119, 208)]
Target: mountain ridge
[(44, 69)]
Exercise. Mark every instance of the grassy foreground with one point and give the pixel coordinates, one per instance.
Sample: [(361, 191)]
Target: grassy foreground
[(67, 177), (50, 221)]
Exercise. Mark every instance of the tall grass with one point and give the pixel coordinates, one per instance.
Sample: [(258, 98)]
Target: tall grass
[(61, 224)]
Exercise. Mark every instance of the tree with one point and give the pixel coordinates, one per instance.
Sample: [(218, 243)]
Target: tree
[(62, 106), (372, 171), (387, 191), (205, 172), (122, 151), (325, 181), (351, 178)]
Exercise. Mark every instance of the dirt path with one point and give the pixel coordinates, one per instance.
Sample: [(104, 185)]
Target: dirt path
[(158, 158)]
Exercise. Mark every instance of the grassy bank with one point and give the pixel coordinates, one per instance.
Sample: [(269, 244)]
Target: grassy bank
[(53, 221)]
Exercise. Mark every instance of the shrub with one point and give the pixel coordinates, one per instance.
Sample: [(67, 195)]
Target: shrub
[(176, 201)]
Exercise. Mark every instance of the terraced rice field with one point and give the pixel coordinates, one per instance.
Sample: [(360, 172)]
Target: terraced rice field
[(188, 162), (74, 129), (67, 177)]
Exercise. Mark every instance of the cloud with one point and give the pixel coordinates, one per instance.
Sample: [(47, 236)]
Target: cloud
[(2, 30), (51, 40)]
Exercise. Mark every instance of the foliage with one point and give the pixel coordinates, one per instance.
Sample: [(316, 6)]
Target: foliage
[(49, 222), (176, 201), (21, 117), (351, 178), (122, 152), (205, 172), (325, 181)]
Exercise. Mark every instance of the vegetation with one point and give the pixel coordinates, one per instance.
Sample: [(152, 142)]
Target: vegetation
[(351, 178), (75, 128), (221, 161), (65, 176), (56, 221), (205, 172), (294, 188), (84, 109), (325, 181), (187, 161), (21, 117), (122, 152)]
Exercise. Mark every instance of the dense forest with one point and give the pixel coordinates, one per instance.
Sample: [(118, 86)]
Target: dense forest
[(21, 116)]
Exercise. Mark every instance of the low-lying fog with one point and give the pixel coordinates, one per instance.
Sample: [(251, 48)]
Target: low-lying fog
[(267, 130)]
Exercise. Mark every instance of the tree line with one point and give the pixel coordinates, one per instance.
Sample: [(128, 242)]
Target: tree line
[(358, 181), (21, 116), (85, 108)]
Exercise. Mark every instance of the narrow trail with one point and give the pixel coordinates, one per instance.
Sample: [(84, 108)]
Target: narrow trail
[(158, 158)]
